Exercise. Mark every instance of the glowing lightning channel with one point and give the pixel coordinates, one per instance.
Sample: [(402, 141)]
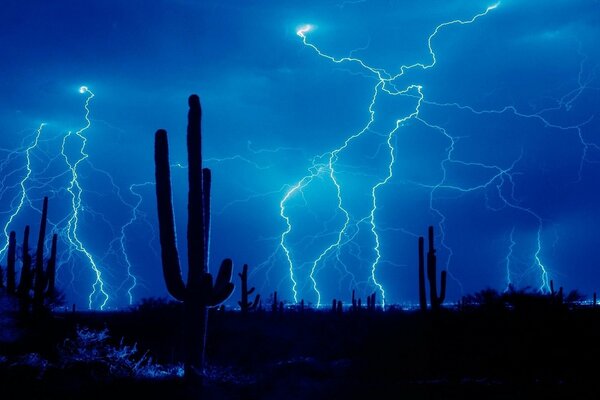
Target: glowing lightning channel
[(75, 191), (23, 194), (296, 188), (382, 183), (404, 68), (384, 79), (332, 159), (508, 258), (123, 237)]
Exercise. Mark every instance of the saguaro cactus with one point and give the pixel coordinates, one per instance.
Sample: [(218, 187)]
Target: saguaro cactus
[(35, 284), (43, 286), (371, 305), (199, 292), (246, 305), (275, 304), (435, 300)]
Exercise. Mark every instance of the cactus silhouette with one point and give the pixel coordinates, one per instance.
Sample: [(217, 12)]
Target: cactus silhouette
[(355, 303), (557, 297), (246, 305), (25, 280), (371, 305), (275, 303), (199, 293), (35, 285), (435, 300), (43, 286)]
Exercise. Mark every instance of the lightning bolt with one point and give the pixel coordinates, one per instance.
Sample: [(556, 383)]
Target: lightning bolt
[(509, 257), (123, 238), (385, 83), (75, 191), (22, 196)]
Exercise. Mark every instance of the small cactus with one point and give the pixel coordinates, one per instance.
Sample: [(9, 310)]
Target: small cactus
[(356, 304), (246, 305), (435, 300), (371, 305), (275, 303)]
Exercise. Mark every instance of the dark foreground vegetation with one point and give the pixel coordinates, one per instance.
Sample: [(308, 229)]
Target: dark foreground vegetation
[(523, 347)]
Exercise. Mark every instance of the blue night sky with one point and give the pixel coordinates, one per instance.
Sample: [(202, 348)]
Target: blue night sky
[(496, 144)]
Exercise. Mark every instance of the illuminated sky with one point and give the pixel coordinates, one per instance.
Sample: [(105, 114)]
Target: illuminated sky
[(502, 156)]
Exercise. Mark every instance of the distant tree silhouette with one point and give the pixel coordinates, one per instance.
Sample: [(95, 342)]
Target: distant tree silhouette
[(523, 299), (199, 292)]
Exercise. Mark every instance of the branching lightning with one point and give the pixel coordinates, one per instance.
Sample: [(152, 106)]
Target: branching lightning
[(23, 190), (386, 83), (347, 231), (50, 180), (75, 191)]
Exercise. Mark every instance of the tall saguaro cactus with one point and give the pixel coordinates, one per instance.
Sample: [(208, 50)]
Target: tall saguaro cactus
[(435, 300), (199, 292)]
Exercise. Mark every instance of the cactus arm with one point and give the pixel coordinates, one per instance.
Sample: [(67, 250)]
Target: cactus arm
[(223, 288), (170, 256), (225, 273), (256, 302)]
